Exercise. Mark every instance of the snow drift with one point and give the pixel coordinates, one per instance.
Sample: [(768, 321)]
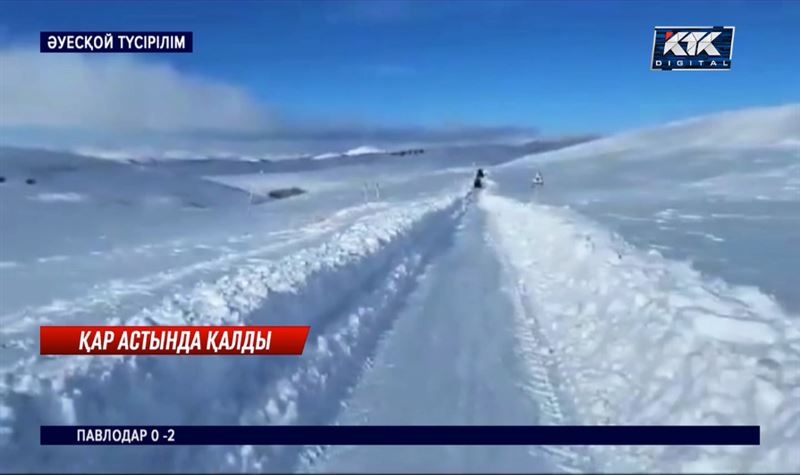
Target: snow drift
[(345, 289), (721, 191), (658, 267), (639, 339)]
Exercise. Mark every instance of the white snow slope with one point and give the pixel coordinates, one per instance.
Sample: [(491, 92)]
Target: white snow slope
[(652, 280), (639, 339)]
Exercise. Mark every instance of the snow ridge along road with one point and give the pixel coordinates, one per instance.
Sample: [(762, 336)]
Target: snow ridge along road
[(346, 288), (115, 299), (639, 339)]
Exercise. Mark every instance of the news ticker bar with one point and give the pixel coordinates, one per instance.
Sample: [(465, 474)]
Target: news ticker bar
[(172, 340), (400, 435)]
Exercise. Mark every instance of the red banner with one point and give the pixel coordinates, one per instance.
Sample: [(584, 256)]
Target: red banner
[(172, 340)]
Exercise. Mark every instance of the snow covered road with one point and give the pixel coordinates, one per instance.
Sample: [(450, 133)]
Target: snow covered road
[(425, 307), (484, 311), (451, 359)]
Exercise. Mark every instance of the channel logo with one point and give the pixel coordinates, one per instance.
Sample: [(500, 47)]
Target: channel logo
[(692, 48)]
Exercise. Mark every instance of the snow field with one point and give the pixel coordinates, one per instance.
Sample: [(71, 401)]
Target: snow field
[(639, 339), (344, 288)]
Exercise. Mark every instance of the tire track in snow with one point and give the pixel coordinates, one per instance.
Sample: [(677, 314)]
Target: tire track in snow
[(342, 349), (543, 385), (450, 359)]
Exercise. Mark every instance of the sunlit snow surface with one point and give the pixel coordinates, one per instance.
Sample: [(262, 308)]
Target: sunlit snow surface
[(665, 280), (651, 280)]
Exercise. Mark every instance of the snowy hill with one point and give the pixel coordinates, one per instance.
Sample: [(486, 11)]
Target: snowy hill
[(665, 277), (728, 184), (736, 155), (759, 127)]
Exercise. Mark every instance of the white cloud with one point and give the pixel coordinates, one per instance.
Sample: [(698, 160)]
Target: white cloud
[(120, 93), (127, 106)]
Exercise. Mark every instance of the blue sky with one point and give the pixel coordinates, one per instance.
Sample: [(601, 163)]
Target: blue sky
[(561, 67)]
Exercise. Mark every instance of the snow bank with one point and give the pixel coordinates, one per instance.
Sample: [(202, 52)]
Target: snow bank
[(639, 339), (743, 163), (345, 289)]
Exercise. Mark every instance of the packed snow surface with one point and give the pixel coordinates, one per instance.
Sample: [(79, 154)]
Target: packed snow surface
[(650, 280)]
